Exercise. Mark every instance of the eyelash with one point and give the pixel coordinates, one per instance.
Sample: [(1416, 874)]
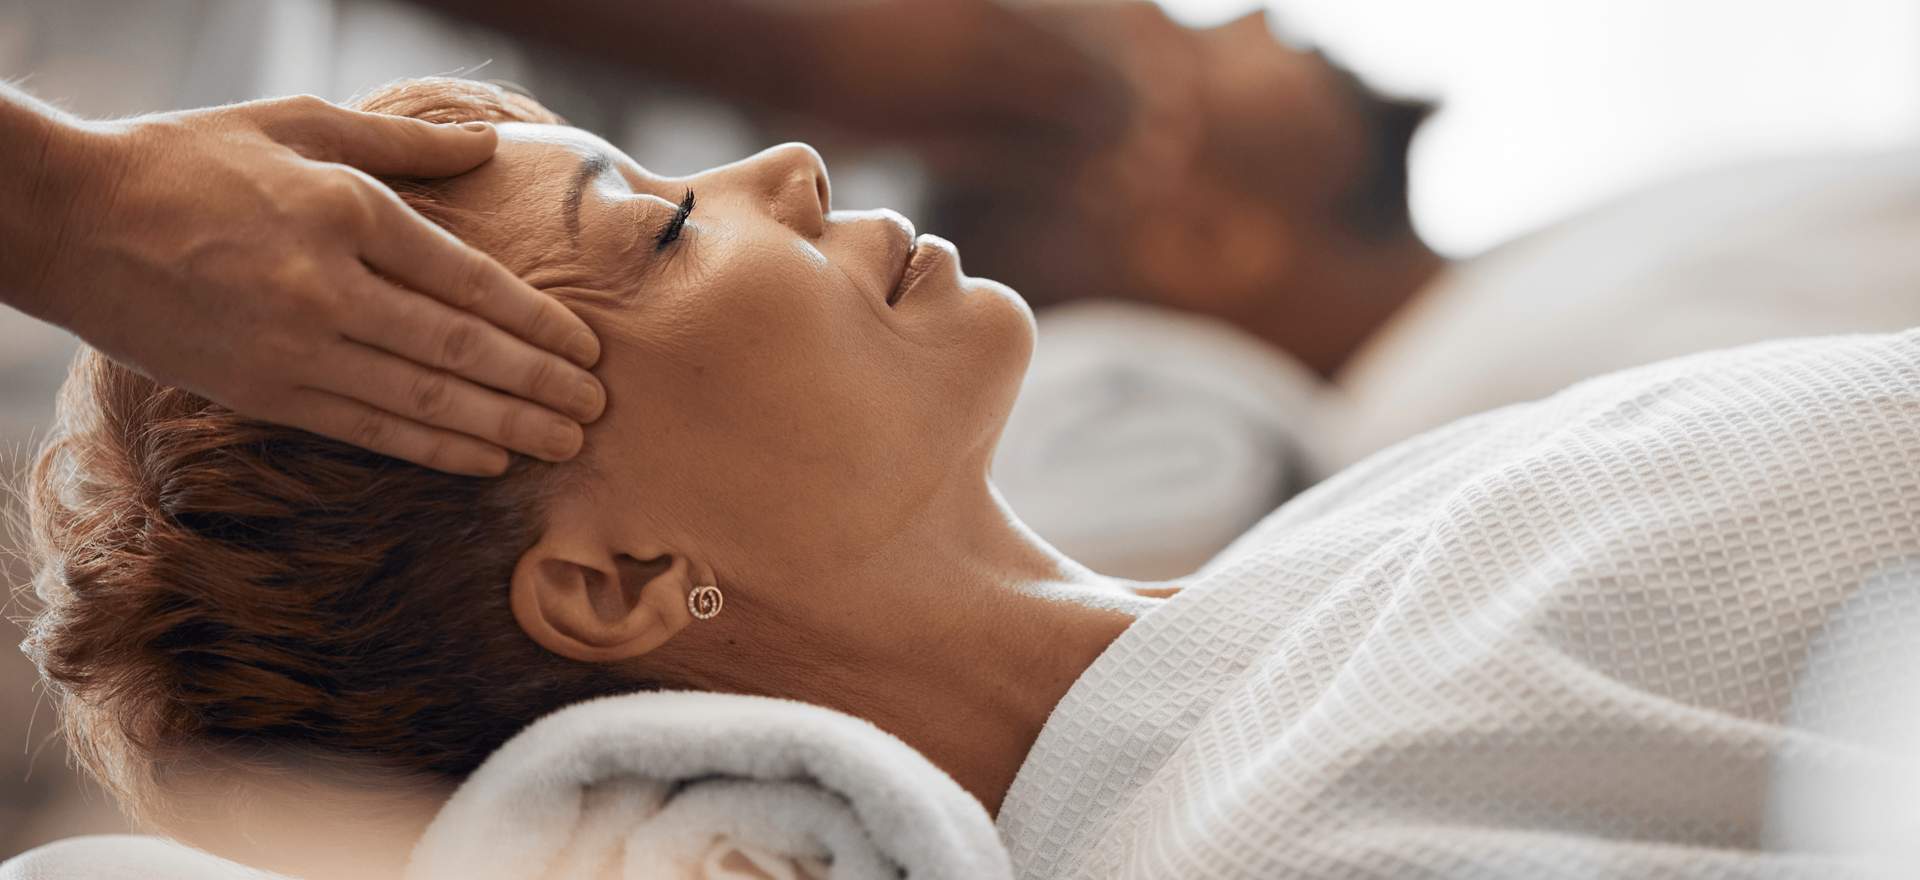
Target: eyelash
[(671, 231)]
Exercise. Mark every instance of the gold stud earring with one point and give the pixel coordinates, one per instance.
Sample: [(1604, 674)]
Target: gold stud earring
[(705, 601)]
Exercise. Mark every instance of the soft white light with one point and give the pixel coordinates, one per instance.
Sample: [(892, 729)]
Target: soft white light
[(1550, 107)]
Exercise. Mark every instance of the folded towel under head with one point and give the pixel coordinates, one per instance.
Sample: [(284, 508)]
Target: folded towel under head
[(677, 784)]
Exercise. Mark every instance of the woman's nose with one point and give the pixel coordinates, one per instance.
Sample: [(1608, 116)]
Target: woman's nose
[(795, 182)]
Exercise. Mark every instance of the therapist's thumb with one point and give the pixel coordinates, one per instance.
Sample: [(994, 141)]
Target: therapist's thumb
[(395, 146)]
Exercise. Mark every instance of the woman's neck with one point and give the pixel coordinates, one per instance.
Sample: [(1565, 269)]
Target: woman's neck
[(959, 638)]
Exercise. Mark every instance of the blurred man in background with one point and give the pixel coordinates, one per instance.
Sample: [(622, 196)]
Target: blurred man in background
[(1258, 183)]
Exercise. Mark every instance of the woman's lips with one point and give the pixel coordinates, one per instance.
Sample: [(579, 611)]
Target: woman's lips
[(907, 272), (925, 253)]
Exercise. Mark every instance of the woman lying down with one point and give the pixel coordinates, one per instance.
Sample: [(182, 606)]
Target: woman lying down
[(1569, 638)]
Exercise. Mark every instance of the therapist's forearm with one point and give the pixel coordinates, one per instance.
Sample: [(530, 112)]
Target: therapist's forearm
[(43, 195), (888, 68), (700, 40)]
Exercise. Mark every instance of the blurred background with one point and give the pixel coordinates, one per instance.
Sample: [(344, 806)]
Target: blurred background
[(1265, 239)]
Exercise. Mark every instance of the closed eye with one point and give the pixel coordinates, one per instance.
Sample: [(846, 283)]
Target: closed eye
[(670, 231)]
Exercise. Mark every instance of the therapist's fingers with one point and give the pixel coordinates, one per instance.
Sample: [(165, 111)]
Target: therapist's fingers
[(402, 245), (377, 143), (439, 400), (352, 421), (434, 334)]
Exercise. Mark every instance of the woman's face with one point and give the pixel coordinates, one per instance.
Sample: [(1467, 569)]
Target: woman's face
[(782, 379)]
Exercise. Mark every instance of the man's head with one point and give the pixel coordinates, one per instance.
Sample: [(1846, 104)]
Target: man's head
[(1259, 178)]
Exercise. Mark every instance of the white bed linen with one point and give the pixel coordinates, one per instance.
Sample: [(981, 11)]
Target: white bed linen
[(1557, 640), (1762, 250)]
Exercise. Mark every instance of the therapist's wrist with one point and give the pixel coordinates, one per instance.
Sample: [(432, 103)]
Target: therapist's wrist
[(53, 209)]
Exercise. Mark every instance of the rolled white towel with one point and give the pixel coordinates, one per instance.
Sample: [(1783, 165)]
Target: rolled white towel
[(676, 784), (1144, 440)]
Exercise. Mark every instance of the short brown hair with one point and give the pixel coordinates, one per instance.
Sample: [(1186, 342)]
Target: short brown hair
[(209, 583)]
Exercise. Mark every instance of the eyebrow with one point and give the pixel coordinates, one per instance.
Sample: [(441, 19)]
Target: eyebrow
[(591, 166)]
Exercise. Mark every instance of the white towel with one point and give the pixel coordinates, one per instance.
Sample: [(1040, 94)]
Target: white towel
[(674, 784), (1145, 439)]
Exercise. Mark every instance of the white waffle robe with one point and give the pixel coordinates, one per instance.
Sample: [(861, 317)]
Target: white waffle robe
[(1592, 636)]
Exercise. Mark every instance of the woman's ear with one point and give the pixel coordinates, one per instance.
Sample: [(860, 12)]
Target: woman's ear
[(586, 598)]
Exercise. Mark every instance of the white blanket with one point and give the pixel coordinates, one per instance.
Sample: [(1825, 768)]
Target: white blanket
[(675, 785), (1579, 638), (1761, 250)]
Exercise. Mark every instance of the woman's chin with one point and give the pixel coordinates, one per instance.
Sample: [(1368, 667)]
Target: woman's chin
[(1013, 335), (1011, 308), (990, 287), (1000, 314)]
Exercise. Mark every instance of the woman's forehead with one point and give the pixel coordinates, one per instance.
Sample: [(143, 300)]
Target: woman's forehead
[(541, 170), (550, 151)]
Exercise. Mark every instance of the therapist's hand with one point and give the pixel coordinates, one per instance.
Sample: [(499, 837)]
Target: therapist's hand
[(246, 253)]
